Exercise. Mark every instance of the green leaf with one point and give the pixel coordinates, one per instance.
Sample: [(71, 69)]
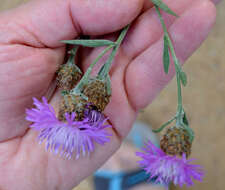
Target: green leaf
[(164, 7), (89, 43), (185, 120), (166, 55), (108, 85), (183, 78)]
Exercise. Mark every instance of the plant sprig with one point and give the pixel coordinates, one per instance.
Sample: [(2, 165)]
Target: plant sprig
[(104, 71), (180, 117)]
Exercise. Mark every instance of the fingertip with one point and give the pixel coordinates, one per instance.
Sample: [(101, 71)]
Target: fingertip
[(195, 25), (209, 9)]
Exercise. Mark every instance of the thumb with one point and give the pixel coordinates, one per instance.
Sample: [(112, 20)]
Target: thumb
[(45, 22)]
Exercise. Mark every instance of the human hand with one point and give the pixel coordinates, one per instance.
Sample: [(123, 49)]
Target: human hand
[(30, 53)]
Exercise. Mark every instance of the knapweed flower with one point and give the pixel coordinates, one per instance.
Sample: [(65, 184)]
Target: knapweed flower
[(70, 136), (97, 92), (72, 103), (168, 168), (68, 75), (176, 141)]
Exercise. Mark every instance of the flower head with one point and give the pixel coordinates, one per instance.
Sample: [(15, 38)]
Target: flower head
[(70, 136), (68, 75), (167, 168), (176, 141), (98, 93)]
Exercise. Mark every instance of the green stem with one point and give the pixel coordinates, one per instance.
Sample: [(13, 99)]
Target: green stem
[(89, 70), (163, 126), (105, 69), (177, 68), (180, 112), (72, 56), (179, 100)]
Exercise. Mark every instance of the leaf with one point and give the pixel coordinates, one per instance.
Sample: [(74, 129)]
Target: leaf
[(183, 78), (89, 43), (108, 85), (166, 55), (164, 7), (185, 120)]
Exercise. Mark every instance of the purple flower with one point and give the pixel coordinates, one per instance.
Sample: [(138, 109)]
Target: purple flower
[(166, 168), (71, 136)]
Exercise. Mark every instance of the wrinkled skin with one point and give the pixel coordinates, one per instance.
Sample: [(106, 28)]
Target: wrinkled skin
[(30, 53)]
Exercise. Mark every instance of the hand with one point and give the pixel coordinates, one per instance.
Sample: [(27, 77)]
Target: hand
[(30, 53)]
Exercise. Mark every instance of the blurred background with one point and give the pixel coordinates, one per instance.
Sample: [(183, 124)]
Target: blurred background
[(204, 100)]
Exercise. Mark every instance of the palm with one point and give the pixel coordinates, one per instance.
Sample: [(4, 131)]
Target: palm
[(27, 68)]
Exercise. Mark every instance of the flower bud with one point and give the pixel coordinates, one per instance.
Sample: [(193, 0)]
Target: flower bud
[(176, 142), (68, 76), (96, 91)]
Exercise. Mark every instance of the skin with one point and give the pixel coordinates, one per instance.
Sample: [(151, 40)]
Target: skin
[(30, 53)]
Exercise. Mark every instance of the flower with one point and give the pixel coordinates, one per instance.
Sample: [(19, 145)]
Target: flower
[(176, 141), (68, 75), (168, 168), (98, 93), (69, 136)]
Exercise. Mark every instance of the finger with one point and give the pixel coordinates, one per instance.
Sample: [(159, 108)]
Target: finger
[(46, 22), (187, 33), (147, 29)]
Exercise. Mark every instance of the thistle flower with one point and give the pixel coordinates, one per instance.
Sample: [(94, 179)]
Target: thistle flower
[(72, 103), (68, 76), (96, 91), (176, 142), (167, 168), (71, 136)]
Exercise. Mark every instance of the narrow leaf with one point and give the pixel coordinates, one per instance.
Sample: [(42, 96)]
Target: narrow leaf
[(185, 120), (164, 7), (183, 78), (89, 43), (108, 85), (166, 55)]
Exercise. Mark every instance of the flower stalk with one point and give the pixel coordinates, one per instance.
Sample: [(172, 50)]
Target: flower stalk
[(180, 77), (103, 73)]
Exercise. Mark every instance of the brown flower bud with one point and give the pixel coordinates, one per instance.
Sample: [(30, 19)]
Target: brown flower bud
[(72, 103), (97, 94), (176, 142), (68, 76)]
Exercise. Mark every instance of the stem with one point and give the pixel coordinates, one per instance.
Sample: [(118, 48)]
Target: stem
[(105, 70), (72, 56), (179, 96), (177, 68), (101, 55), (163, 126), (180, 112), (88, 72)]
